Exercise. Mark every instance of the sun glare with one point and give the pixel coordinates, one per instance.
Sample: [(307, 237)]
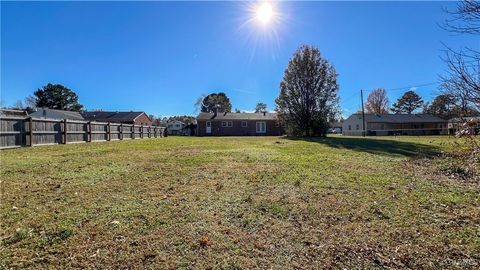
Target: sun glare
[(263, 20), (265, 13)]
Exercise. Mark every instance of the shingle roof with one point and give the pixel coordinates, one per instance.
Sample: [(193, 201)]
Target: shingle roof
[(103, 116), (15, 113), (237, 116), (400, 118), (57, 114)]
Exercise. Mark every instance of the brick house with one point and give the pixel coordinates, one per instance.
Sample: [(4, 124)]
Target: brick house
[(137, 118), (238, 124)]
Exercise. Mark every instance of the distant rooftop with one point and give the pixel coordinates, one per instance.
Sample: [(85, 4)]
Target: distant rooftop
[(15, 113), (103, 116), (56, 114), (237, 116)]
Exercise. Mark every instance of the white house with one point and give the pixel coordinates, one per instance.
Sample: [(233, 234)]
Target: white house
[(175, 127), (394, 124)]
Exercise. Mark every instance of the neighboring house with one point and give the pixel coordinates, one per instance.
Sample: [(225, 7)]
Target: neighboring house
[(56, 114), (137, 118), (394, 124), (335, 128), (13, 113), (471, 125), (238, 124), (175, 127)]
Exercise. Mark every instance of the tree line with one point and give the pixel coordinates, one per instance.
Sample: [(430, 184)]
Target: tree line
[(443, 105), (220, 103)]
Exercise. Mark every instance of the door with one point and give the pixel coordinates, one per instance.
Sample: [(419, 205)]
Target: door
[(209, 127), (261, 127)]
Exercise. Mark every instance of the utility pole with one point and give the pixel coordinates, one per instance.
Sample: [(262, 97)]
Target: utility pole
[(363, 113)]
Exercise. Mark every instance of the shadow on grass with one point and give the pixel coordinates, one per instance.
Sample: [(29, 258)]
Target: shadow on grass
[(377, 146)]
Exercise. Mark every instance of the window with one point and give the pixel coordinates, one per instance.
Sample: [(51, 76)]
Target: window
[(209, 124), (261, 127), (244, 123), (227, 124), (382, 126), (349, 127), (358, 126)]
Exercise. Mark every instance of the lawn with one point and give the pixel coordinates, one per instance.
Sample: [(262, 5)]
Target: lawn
[(241, 203)]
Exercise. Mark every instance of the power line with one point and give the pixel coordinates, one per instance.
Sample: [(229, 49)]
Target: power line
[(408, 87)]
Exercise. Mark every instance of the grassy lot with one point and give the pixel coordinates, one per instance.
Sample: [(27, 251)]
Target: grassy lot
[(241, 203)]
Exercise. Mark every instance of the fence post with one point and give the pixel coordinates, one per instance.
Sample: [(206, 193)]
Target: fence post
[(133, 131), (120, 134), (30, 130), (148, 131), (141, 131), (154, 132), (64, 131), (108, 131), (89, 131)]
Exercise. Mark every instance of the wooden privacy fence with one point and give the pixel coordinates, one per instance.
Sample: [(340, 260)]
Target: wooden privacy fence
[(17, 132)]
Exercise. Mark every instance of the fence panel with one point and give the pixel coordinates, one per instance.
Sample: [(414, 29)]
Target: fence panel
[(114, 131), (77, 131), (137, 131), (17, 132), (12, 132), (127, 131), (46, 131), (99, 131)]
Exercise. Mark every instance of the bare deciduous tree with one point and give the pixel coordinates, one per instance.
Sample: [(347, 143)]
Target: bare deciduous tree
[(462, 80), (377, 101), (465, 19)]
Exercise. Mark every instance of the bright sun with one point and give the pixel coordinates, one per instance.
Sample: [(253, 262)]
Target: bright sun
[(265, 12)]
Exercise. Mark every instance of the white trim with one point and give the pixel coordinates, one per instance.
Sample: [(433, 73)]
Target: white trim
[(228, 124), (208, 128), (262, 123), (140, 115)]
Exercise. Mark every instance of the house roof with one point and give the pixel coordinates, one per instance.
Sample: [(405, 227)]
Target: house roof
[(15, 113), (103, 116), (175, 121), (237, 116), (400, 118), (57, 114)]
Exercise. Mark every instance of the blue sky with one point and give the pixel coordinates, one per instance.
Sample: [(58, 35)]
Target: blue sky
[(159, 57)]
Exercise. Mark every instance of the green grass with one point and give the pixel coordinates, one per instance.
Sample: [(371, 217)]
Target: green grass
[(231, 202)]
